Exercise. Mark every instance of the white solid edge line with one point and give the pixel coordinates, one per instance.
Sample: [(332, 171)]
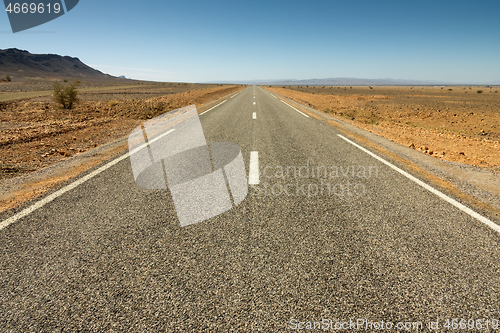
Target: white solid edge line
[(74, 184), (254, 115), (253, 174), (440, 194), (302, 113), (213, 107), (237, 94)]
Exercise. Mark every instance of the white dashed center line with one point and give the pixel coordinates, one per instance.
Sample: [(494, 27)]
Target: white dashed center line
[(253, 175), (254, 116)]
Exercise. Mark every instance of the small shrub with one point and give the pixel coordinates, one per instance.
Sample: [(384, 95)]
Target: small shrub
[(450, 89), (479, 91), (112, 103), (371, 87), (153, 108), (8, 78), (65, 96)]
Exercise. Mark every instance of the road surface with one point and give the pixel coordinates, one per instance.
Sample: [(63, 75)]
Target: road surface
[(107, 255)]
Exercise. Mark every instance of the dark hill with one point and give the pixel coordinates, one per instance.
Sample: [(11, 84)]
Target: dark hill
[(21, 64)]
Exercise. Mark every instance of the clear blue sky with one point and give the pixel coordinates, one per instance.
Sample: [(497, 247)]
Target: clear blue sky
[(198, 41)]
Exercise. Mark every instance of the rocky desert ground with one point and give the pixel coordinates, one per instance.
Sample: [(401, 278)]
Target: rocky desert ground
[(35, 132), (454, 123)]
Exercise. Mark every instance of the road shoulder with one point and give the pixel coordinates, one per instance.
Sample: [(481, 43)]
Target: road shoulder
[(474, 186)]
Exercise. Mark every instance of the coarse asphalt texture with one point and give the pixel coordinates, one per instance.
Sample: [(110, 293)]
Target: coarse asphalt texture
[(109, 256)]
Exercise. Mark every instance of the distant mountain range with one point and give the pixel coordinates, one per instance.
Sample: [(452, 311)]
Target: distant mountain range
[(346, 81), (21, 64)]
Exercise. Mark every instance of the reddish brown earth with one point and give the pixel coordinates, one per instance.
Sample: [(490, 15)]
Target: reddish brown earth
[(450, 123), (36, 133)]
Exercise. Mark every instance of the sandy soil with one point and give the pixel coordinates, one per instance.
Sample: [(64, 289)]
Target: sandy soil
[(451, 123), (36, 133)]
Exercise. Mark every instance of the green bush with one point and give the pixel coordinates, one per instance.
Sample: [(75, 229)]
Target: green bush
[(8, 78), (66, 96), (479, 91)]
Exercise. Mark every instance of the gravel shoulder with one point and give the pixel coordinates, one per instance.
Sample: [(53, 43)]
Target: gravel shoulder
[(43, 146), (455, 124), (474, 185)]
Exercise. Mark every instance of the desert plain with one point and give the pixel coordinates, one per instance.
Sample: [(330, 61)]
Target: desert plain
[(457, 123), (35, 132), (453, 123)]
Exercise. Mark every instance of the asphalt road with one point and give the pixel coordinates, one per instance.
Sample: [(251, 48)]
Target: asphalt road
[(110, 256)]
